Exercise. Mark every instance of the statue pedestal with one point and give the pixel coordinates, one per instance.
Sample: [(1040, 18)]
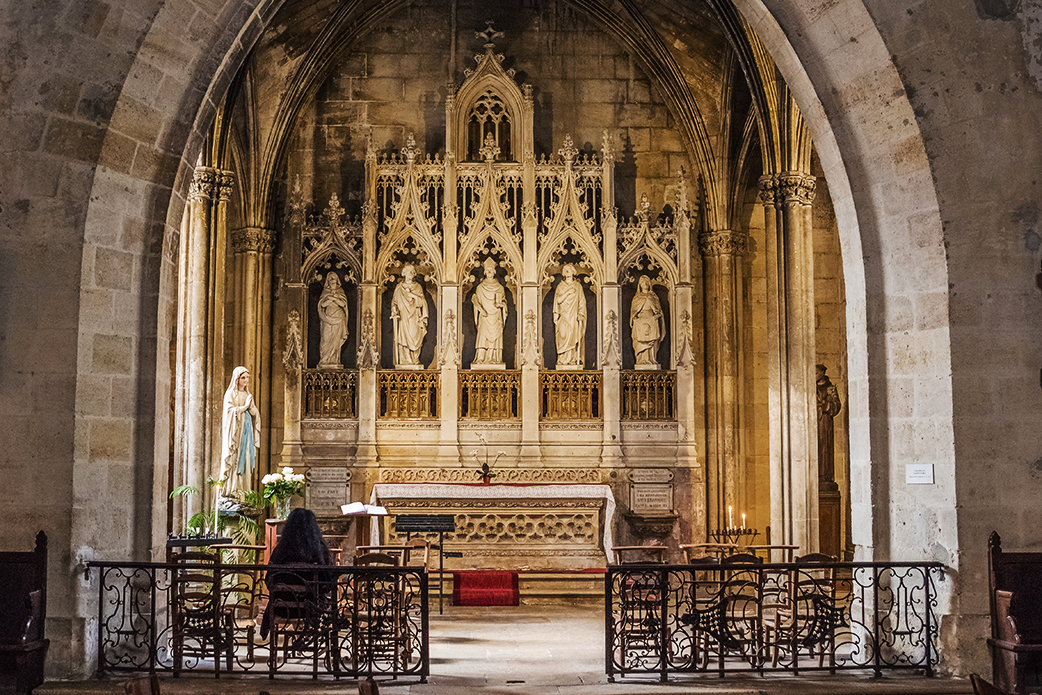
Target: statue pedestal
[(569, 367), (829, 519), (647, 367), (483, 366)]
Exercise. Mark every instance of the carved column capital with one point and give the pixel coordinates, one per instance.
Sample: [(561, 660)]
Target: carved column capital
[(796, 188), (223, 185), (204, 184), (723, 242), (790, 187), (255, 239)]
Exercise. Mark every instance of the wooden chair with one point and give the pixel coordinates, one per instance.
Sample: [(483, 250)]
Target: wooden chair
[(1015, 584), (379, 604), (807, 619), (741, 609), (202, 628), (418, 553), (23, 586), (302, 615), (242, 594)]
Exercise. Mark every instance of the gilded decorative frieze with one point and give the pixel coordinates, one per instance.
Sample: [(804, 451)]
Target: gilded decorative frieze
[(504, 475)]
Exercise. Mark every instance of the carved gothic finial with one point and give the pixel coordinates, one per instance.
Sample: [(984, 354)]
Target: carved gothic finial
[(685, 356), (644, 209), (368, 357), (409, 151), (607, 147), (489, 150), (530, 343), (450, 350), (682, 202), (370, 145), (293, 355), (612, 351), (568, 152), (334, 212), (489, 35)]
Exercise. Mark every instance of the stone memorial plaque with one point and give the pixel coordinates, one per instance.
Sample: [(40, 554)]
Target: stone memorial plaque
[(651, 475), (651, 498), (327, 489)]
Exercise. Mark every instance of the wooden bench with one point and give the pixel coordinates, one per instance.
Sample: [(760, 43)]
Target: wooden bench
[(23, 586), (1015, 593)]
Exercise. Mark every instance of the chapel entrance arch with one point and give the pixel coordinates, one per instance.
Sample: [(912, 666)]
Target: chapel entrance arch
[(557, 218)]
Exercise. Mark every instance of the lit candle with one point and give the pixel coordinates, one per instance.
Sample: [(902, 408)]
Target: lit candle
[(743, 522), (730, 517)]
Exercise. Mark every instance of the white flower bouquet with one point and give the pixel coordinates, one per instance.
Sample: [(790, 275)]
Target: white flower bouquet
[(278, 486)]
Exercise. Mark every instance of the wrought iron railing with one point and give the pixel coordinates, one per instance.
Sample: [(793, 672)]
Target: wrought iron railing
[(354, 622), (408, 394), (330, 394), (491, 395), (568, 395), (649, 395), (672, 619)]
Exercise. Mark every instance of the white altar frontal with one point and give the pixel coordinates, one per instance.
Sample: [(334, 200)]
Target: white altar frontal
[(514, 527)]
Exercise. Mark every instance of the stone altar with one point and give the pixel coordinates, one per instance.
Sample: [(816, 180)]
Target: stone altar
[(515, 527)]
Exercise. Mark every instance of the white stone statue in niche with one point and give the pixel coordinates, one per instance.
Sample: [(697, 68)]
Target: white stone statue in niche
[(646, 324), (409, 316), (240, 434), (490, 312), (332, 312), (570, 320)]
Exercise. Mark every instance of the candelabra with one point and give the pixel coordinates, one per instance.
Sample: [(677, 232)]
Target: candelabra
[(732, 534)]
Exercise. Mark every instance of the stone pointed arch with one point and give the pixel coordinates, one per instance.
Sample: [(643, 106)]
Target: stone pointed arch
[(489, 76)]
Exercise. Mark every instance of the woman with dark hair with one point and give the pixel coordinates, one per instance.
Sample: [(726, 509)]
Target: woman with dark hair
[(295, 592)]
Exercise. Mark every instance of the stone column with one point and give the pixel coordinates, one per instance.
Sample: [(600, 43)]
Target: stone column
[(253, 247), (610, 305), (449, 362), (292, 453), (792, 397), (528, 312), (219, 372), (720, 251), (195, 292)]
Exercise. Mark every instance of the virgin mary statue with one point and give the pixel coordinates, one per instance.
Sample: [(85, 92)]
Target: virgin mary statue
[(240, 434)]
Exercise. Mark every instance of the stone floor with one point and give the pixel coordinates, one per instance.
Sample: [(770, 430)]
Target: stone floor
[(531, 650)]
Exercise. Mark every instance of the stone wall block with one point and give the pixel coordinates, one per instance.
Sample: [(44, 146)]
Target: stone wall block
[(112, 354), (138, 121), (110, 439), (23, 131), (379, 89), (113, 269), (81, 141)]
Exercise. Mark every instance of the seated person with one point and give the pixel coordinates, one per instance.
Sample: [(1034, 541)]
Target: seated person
[(289, 591)]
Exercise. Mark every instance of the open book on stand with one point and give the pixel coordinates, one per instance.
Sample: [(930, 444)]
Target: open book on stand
[(359, 508)]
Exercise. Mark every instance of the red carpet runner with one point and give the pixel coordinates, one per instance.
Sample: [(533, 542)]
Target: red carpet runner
[(485, 588)]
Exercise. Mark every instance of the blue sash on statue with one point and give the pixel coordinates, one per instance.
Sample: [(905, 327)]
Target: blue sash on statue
[(246, 443)]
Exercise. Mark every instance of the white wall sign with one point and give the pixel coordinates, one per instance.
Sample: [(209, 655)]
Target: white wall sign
[(919, 473)]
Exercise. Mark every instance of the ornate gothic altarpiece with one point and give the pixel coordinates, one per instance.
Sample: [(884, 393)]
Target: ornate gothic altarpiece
[(490, 306)]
